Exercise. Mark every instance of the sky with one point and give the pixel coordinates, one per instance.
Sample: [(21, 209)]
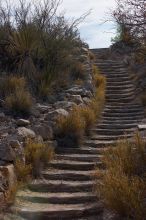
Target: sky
[(92, 30)]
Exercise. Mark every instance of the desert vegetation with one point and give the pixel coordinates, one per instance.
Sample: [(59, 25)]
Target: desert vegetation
[(38, 46), (72, 128), (122, 184)]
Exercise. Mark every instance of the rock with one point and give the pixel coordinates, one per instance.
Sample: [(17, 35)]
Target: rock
[(141, 127), (86, 100), (23, 122), (44, 131), (54, 114), (2, 116), (7, 154), (77, 99), (89, 86), (43, 108), (8, 172), (18, 149), (14, 143), (26, 133), (64, 104)]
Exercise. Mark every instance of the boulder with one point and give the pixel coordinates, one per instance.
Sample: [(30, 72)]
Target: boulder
[(45, 131), (26, 133), (23, 122), (2, 117), (7, 154), (43, 108), (54, 114)]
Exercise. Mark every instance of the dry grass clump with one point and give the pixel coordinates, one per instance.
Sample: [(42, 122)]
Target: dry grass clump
[(19, 102), (37, 155), (11, 84), (78, 71), (122, 186), (70, 129), (89, 118), (23, 171), (17, 98)]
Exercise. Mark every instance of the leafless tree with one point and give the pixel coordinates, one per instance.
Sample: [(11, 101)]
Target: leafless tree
[(132, 15)]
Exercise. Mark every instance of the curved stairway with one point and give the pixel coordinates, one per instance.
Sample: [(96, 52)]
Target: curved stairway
[(66, 189)]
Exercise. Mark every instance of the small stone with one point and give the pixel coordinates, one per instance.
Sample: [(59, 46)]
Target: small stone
[(23, 122)]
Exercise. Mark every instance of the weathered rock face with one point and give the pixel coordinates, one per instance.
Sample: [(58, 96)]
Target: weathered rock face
[(24, 133)]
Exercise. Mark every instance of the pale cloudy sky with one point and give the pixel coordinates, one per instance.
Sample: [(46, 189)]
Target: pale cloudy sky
[(95, 34)]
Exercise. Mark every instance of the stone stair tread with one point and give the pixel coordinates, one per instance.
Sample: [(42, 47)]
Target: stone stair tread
[(61, 172), (29, 194)]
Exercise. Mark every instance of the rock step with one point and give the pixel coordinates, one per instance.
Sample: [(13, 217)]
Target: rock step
[(68, 175), (112, 131), (124, 100), (61, 186), (124, 110), (73, 165), (57, 198), (119, 121), (108, 95), (121, 114), (119, 87), (120, 91), (119, 83), (101, 144), (111, 137), (122, 105), (109, 65), (116, 126), (118, 79), (55, 212), (82, 150), (123, 118), (78, 157)]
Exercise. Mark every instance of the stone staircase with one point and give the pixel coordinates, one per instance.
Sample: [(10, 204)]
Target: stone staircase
[(66, 188)]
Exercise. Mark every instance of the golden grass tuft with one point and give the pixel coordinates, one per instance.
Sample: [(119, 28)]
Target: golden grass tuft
[(71, 128), (122, 186), (88, 116), (37, 155), (19, 102)]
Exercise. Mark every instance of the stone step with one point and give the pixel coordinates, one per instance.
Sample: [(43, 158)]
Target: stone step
[(123, 110), (61, 186), (124, 100), (119, 83), (117, 126), (73, 165), (81, 150), (108, 95), (119, 117), (79, 157), (122, 105), (111, 137), (73, 175), (120, 91), (118, 79), (119, 87), (119, 121), (112, 131), (39, 211), (101, 144), (57, 198), (121, 114)]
